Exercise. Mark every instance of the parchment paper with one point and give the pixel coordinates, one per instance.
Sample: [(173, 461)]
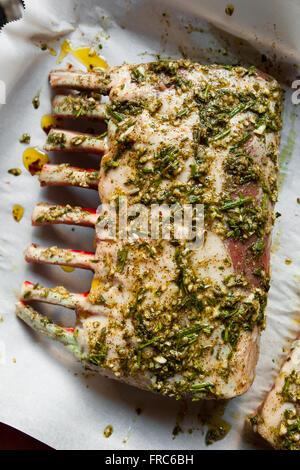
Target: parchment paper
[(43, 391)]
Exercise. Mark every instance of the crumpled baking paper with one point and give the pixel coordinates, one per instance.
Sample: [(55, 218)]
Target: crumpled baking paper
[(43, 391)]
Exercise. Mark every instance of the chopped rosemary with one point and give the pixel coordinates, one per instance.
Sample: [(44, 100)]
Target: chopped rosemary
[(239, 202), (221, 134), (202, 387), (118, 116), (151, 341), (122, 257)]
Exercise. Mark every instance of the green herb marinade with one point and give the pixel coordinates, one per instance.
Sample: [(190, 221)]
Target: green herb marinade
[(173, 337)]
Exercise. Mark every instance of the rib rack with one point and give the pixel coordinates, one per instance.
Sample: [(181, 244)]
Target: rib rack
[(159, 315)]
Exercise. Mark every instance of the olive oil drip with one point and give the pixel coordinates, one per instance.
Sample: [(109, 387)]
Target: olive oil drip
[(34, 159), (17, 212), (86, 55), (48, 122), (67, 269)]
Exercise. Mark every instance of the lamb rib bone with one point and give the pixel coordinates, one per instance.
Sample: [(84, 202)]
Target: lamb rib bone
[(79, 80), (177, 321), (56, 296), (47, 214), (66, 175), (62, 257), (60, 140), (78, 106), (45, 326)]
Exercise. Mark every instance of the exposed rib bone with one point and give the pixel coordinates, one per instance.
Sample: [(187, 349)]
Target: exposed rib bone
[(60, 140), (44, 214), (75, 106), (57, 295), (59, 256), (66, 175), (44, 325), (77, 80)]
